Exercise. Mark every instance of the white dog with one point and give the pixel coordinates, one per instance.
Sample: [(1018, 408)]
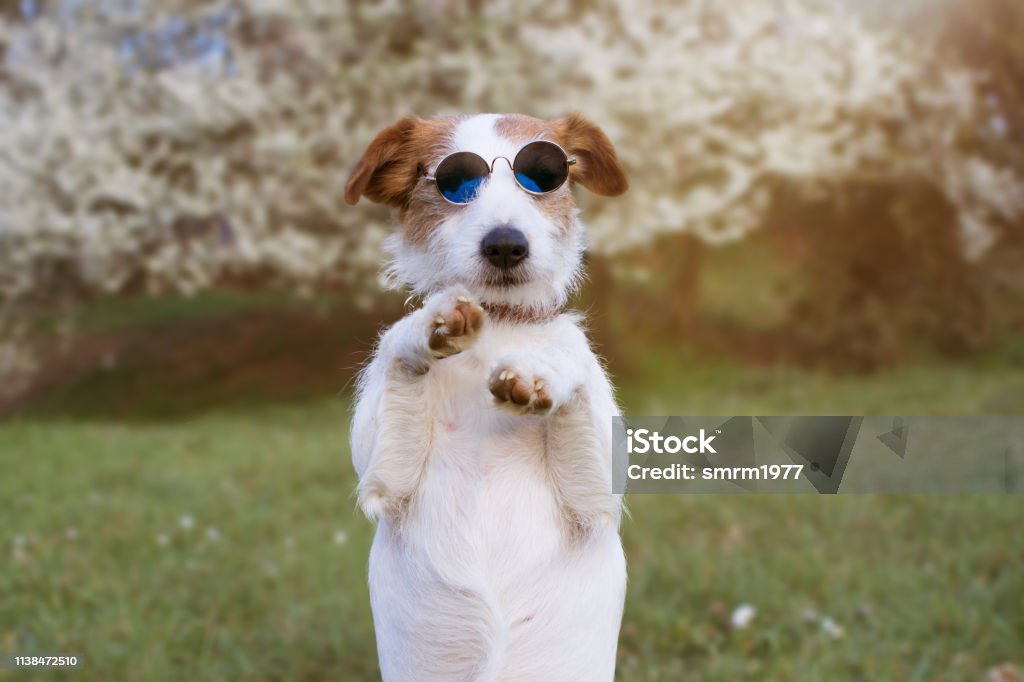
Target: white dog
[(482, 431)]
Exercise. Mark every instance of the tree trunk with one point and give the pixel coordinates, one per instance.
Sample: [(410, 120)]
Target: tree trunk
[(685, 261)]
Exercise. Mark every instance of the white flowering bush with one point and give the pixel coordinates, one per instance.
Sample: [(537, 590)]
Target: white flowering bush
[(718, 105), (173, 147), (176, 148)]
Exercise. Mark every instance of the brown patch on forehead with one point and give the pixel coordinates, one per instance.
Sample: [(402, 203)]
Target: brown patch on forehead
[(522, 127)]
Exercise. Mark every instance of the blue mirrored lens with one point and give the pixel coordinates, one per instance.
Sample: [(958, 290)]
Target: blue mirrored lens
[(541, 167), (527, 183), (464, 192), (460, 176)]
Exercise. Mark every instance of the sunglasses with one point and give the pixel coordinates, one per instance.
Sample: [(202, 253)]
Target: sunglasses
[(539, 168)]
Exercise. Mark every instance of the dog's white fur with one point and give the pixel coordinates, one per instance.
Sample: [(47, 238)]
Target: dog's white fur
[(497, 554)]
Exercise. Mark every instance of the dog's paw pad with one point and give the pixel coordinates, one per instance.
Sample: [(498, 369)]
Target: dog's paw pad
[(525, 393), (455, 326)]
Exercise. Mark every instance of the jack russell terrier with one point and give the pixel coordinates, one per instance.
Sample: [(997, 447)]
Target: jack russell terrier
[(483, 424)]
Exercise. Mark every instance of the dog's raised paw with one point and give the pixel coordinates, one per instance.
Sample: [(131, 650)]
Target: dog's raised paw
[(455, 324), (520, 392)]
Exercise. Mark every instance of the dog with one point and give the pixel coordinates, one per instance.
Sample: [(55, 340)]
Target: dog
[(481, 434)]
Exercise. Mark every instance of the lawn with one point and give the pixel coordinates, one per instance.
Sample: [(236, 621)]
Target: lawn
[(226, 545)]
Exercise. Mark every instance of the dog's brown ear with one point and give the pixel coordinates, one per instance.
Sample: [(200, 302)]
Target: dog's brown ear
[(390, 166), (597, 166)]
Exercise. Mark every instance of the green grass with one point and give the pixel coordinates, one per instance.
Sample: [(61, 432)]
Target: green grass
[(95, 559), (680, 380), (268, 583)]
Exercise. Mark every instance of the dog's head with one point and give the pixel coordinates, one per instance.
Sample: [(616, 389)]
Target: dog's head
[(510, 247)]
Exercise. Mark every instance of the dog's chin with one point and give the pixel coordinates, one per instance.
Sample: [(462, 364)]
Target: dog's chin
[(494, 278), (516, 292)]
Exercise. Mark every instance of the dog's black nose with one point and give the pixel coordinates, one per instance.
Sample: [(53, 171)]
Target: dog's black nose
[(505, 247)]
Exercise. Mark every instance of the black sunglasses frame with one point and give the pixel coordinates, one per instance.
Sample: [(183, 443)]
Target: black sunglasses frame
[(569, 161)]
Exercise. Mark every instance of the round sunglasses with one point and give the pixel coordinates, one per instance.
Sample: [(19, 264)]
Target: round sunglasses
[(540, 167)]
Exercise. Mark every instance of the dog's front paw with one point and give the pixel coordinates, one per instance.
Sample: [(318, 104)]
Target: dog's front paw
[(455, 322), (521, 392)]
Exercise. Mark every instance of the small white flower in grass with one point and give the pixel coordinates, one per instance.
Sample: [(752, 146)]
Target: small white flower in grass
[(832, 628), (71, 533), (1007, 672), (18, 549), (340, 537), (186, 522), (742, 616), (163, 539), (212, 534)]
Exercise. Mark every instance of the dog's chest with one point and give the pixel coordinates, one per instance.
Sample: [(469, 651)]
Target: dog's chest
[(485, 465), (457, 396)]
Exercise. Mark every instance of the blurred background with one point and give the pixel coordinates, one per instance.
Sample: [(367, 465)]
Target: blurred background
[(825, 217)]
